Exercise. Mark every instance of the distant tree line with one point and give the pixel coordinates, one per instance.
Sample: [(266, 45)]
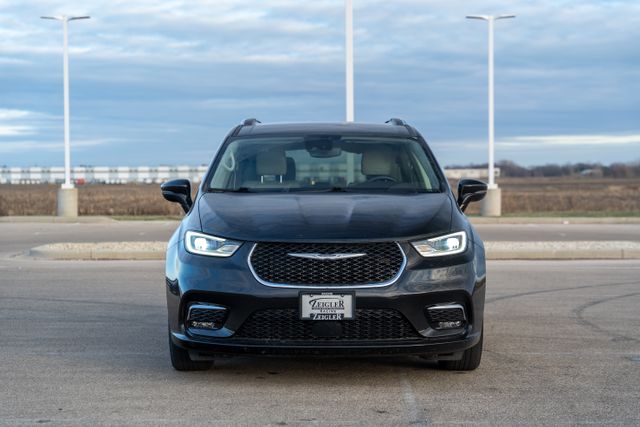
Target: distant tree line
[(512, 169)]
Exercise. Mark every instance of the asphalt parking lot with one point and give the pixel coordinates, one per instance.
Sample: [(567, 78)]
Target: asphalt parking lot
[(85, 343)]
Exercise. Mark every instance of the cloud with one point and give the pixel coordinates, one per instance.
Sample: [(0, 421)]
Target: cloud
[(16, 130), (17, 122), (12, 147), (11, 114), (139, 67), (577, 140), (249, 103)]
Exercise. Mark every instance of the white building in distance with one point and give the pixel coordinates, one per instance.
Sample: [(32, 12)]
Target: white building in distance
[(143, 174), (101, 174)]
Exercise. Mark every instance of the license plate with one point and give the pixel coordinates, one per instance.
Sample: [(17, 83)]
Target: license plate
[(326, 306)]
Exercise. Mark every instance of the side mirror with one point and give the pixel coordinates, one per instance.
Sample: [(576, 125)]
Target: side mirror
[(470, 190), (179, 191)]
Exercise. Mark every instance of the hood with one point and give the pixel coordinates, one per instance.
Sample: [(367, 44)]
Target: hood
[(323, 217)]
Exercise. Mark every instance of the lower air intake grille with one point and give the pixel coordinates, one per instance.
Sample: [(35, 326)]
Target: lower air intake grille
[(369, 324)]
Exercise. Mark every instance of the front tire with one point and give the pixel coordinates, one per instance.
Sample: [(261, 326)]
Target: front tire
[(470, 359), (181, 361)]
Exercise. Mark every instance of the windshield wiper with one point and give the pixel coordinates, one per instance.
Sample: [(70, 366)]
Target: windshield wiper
[(231, 190), (318, 190)]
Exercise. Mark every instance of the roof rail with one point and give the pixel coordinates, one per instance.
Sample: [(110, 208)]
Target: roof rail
[(396, 122), (251, 122)]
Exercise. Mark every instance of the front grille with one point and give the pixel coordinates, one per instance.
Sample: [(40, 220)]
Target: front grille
[(206, 317), (285, 325), (272, 263)]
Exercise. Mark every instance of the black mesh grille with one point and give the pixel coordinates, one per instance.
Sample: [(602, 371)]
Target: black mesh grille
[(285, 324), (272, 263), (437, 315), (206, 318)]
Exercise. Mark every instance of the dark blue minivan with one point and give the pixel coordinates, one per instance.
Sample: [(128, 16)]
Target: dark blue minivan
[(331, 238)]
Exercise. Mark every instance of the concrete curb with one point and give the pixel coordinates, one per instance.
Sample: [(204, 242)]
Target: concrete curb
[(554, 220), (563, 250), (473, 219), (101, 251), (58, 219), (495, 250)]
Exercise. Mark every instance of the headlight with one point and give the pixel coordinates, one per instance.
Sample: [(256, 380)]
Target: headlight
[(204, 244), (450, 244)]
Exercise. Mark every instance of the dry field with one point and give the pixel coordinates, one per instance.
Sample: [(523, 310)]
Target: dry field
[(99, 199), (520, 196), (568, 196)]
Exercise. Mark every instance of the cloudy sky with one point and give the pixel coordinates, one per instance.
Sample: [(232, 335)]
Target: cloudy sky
[(162, 82)]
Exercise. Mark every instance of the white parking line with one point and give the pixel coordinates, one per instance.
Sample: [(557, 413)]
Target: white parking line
[(409, 397)]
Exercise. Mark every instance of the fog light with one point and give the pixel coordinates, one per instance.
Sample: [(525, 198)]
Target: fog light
[(446, 316), (206, 316), (202, 325), (449, 325)]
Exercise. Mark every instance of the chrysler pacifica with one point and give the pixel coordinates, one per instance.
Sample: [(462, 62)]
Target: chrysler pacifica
[(335, 238)]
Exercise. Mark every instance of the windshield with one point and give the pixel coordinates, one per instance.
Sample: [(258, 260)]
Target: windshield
[(324, 163)]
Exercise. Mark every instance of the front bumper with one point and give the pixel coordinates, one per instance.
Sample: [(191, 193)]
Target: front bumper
[(205, 347), (229, 283)]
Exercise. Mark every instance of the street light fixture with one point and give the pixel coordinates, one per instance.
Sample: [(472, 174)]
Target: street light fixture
[(492, 205), (67, 200)]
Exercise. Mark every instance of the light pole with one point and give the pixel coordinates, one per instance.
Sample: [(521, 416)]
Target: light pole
[(67, 196), (348, 52), (348, 32), (492, 203)]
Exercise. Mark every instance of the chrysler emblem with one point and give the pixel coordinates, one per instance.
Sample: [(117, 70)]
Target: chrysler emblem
[(327, 257)]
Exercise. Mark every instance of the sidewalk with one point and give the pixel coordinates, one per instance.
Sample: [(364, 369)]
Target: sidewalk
[(505, 237), (474, 219), (494, 250), (58, 219), (554, 220)]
